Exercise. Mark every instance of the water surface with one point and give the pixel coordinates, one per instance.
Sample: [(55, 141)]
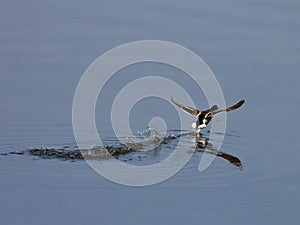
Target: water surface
[(252, 47)]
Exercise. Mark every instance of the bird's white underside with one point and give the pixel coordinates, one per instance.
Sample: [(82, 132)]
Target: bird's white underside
[(199, 127)]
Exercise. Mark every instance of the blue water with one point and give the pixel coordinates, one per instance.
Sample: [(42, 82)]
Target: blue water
[(252, 47)]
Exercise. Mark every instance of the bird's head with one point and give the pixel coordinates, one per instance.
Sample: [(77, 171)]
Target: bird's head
[(214, 108)]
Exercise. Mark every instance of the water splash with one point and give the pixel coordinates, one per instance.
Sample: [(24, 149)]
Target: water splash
[(148, 140)]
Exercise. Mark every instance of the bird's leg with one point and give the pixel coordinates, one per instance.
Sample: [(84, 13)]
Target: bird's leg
[(199, 135)]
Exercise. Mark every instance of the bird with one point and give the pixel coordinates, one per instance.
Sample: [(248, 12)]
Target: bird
[(204, 117)]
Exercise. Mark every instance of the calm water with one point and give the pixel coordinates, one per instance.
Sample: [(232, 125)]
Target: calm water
[(252, 47)]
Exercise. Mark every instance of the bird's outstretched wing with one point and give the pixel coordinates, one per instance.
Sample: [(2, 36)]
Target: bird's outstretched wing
[(187, 109), (235, 106)]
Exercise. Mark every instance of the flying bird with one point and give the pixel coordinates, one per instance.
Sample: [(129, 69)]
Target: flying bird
[(204, 117)]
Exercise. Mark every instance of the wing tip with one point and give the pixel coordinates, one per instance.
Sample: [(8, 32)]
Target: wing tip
[(242, 102), (172, 100)]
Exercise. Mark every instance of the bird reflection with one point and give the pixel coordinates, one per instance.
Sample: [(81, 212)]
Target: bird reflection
[(203, 145)]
